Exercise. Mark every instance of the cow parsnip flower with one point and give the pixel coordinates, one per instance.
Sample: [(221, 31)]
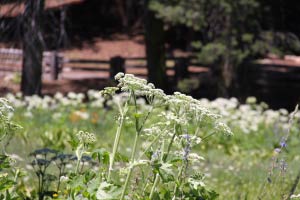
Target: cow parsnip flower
[(86, 137)]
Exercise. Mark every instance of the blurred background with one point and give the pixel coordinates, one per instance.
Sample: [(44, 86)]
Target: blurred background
[(206, 48)]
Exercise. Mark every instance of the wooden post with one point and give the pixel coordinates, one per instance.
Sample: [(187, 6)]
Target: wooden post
[(181, 69), (117, 64)]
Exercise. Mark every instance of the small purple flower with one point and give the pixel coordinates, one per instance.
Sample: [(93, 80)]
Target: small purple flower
[(186, 136), (187, 148), (283, 143), (277, 150), (155, 155)]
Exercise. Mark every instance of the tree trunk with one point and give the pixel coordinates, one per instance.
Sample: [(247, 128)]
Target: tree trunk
[(155, 49), (32, 48), (227, 68)]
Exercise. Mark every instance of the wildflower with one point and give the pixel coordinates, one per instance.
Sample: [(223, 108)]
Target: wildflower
[(109, 91), (187, 148), (283, 111), (58, 96), (5, 109), (155, 156), (295, 196), (277, 150), (222, 127), (194, 157), (71, 95), (151, 85), (283, 143), (119, 75), (86, 137), (251, 100), (151, 131)]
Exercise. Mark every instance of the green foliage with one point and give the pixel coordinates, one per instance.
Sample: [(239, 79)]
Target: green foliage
[(231, 33), (200, 162), (164, 160), (9, 174), (188, 85)]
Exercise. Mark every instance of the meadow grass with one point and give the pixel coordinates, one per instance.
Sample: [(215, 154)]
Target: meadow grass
[(237, 167)]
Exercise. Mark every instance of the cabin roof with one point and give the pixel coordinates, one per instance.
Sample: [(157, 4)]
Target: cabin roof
[(17, 8)]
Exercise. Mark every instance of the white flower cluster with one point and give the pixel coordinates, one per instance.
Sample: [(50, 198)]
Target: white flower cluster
[(223, 128), (154, 130), (59, 100), (46, 102), (86, 137), (181, 109), (177, 110), (5, 109), (248, 117), (192, 157), (187, 107), (129, 82), (6, 125)]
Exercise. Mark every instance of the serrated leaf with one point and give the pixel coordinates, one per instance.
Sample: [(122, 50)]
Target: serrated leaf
[(101, 155), (108, 191)]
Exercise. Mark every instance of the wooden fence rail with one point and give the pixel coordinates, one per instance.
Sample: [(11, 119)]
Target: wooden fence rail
[(54, 63), (11, 61)]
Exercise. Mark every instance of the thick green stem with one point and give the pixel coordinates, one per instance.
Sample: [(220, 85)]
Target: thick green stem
[(154, 186), (137, 133), (170, 145), (157, 175), (77, 166), (117, 138), (79, 152), (131, 167), (178, 181), (115, 147)]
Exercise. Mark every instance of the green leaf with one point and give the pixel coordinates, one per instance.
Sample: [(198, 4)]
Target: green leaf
[(166, 172), (6, 184), (101, 155), (108, 191)]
